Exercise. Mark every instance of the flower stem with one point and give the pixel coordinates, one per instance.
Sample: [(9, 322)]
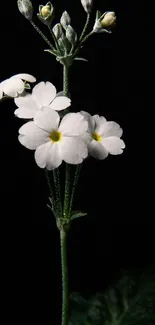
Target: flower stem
[(56, 176), (87, 36), (43, 36), (85, 27), (55, 40), (49, 185), (63, 244), (63, 232), (76, 178), (67, 191), (66, 80)]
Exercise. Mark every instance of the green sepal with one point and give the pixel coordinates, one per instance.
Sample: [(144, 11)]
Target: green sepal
[(27, 86), (98, 14), (77, 214), (50, 51), (80, 59), (40, 7), (51, 206)]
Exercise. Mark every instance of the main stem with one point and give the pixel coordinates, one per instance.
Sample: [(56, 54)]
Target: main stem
[(63, 232), (66, 80), (63, 243)]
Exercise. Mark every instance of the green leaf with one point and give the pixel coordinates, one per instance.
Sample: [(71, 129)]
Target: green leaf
[(78, 309), (77, 214), (131, 301), (80, 59)]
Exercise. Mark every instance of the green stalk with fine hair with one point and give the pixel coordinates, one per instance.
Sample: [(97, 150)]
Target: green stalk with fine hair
[(85, 27), (53, 50), (63, 230)]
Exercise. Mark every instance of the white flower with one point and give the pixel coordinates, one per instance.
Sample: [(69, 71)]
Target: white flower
[(43, 95), (15, 85), (102, 137), (54, 141)]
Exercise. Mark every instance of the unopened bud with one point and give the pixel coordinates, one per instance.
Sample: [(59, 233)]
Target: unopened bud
[(65, 19), (26, 9), (109, 20), (105, 22), (87, 5), (57, 30), (71, 34), (46, 13)]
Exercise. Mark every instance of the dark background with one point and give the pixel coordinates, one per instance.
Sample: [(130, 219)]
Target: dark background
[(118, 231)]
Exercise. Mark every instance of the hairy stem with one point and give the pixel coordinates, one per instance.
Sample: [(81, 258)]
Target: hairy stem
[(76, 178), (63, 244), (56, 175), (43, 36), (55, 40), (85, 27)]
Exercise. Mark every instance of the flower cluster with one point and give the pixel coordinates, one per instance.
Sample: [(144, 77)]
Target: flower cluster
[(70, 139)]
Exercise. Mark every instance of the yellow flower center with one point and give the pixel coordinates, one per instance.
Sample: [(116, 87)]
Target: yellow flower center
[(96, 137), (45, 11), (55, 136)]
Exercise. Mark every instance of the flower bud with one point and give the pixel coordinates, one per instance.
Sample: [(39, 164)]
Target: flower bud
[(57, 30), (46, 13), (65, 19), (87, 5), (71, 34), (109, 20), (105, 22), (26, 9)]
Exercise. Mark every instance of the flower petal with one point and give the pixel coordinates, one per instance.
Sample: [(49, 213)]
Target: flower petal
[(90, 120), (60, 93), (73, 150), (31, 136), (48, 155), (73, 124), (47, 119), (113, 145), (109, 129), (99, 122), (59, 103), (24, 112), (96, 150), (43, 93), (13, 86), (27, 106), (26, 100), (25, 76), (1, 93)]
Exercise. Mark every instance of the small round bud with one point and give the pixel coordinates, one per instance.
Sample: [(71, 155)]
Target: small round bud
[(109, 20), (71, 34), (65, 19), (57, 30), (26, 9), (46, 13), (87, 5)]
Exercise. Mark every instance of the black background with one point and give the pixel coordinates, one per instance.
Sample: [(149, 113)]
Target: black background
[(118, 231)]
